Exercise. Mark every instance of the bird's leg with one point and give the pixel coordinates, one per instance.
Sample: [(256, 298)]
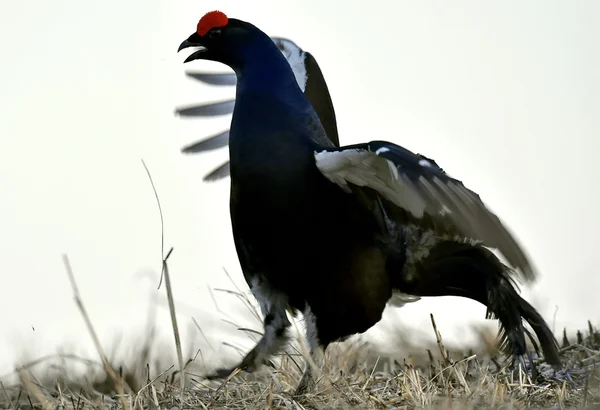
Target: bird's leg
[(525, 362), (307, 382), (273, 339), (276, 323)]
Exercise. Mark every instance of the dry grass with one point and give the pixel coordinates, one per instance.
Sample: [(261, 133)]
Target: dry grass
[(351, 377)]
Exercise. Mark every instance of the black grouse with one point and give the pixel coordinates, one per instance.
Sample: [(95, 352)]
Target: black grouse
[(336, 232)]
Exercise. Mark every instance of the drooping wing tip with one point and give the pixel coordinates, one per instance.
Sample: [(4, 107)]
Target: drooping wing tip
[(470, 212), (525, 271)]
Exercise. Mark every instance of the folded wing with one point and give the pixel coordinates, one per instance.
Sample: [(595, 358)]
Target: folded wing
[(431, 198)]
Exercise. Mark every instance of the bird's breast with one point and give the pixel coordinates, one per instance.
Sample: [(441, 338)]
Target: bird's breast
[(295, 212)]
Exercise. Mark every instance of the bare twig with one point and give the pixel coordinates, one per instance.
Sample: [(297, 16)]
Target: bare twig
[(43, 359), (152, 381), (174, 322), (438, 338), (162, 223), (6, 394), (170, 299), (32, 388), (119, 382)]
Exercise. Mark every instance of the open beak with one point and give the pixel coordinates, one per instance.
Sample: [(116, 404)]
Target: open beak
[(193, 41)]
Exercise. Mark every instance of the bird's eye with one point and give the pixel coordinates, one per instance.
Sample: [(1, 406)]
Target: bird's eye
[(214, 33)]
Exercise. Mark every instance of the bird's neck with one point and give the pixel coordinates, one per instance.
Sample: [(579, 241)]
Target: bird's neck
[(271, 112), (268, 96), (271, 83), (269, 73), (269, 122)]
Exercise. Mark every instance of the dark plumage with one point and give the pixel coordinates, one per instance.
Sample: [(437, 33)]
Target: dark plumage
[(310, 80), (338, 232)]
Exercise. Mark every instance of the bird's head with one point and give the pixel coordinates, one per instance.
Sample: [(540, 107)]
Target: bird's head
[(226, 40)]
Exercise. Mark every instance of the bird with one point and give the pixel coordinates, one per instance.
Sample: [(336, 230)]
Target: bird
[(338, 232), (310, 79)]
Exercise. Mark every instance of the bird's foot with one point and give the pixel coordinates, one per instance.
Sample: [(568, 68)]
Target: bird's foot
[(272, 340), (248, 365), (222, 373), (567, 375), (525, 364), (307, 384)]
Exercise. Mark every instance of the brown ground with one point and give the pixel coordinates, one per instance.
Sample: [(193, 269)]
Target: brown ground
[(352, 378)]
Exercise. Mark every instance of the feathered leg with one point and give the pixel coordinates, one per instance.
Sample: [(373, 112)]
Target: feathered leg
[(307, 382), (276, 323)]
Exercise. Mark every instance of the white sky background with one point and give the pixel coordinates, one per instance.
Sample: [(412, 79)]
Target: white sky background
[(505, 96)]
